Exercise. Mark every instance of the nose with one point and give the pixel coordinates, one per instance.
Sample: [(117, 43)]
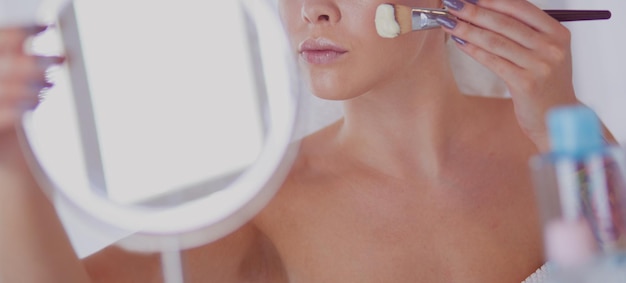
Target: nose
[(320, 12)]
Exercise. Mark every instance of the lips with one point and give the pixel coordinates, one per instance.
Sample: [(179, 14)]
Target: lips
[(320, 51)]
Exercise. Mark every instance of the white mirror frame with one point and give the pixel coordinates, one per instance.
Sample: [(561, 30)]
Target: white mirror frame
[(210, 217)]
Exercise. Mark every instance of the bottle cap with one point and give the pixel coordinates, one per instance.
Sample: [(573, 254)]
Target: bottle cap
[(574, 130)]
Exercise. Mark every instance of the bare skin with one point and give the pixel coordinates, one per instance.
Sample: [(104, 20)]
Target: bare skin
[(361, 224), (337, 219), (416, 183)]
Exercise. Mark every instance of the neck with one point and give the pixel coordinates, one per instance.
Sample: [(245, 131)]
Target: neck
[(405, 126)]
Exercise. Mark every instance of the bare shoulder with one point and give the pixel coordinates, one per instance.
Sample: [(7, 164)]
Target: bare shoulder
[(234, 258)]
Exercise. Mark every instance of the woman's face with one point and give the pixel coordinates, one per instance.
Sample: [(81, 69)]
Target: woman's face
[(339, 50)]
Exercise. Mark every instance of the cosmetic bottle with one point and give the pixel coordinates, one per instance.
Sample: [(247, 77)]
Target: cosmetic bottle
[(574, 256), (582, 177), (580, 191)]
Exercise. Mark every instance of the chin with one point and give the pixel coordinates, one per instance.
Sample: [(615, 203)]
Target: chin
[(329, 97), (330, 93), (331, 89)]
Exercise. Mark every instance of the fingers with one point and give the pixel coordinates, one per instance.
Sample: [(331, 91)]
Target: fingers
[(495, 42), (506, 44), (22, 76), (14, 100), (496, 50), (20, 96), (498, 23), (12, 39), (516, 20), (525, 12), (525, 47), (26, 67), (8, 117)]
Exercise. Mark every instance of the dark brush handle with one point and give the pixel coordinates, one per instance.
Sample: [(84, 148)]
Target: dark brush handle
[(579, 15)]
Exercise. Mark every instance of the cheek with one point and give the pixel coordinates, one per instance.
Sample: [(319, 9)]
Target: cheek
[(284, 8), (335, 84), (289, 13), (350, 81), (372, 65)]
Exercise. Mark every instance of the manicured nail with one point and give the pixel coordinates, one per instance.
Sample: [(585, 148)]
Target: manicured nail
[(37, 86), (472, 1), (29, 104), (459, 40), (46, 62), (456, 5), (446, 22), (35, 29)]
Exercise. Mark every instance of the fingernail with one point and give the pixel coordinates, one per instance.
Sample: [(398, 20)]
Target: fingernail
[(446, 22), (35, 29), (38, 86), (45, 62), (472, 1), (29, 104), (459, 40), (456, 5)]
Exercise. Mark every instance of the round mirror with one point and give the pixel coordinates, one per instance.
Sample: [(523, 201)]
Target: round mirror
[(171, 119)]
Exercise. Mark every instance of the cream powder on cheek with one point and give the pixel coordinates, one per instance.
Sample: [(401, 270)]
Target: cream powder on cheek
[(386, 24)]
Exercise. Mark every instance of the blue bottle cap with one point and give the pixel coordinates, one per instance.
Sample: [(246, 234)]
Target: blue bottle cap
[(574, 131)]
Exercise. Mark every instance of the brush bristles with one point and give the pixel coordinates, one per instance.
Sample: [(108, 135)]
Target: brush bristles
[(386, 24), (404, 17), (393, 20)]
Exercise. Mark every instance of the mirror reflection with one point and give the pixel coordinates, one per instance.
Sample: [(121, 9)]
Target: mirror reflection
[(136, 118)]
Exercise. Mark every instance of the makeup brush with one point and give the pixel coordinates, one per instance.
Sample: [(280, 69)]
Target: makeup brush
[(393, 19)]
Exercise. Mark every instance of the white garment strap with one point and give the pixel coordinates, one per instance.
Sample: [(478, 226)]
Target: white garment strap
[(540, 276)]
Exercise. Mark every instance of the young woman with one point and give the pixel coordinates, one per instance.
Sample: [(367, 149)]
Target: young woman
[(418, 182)]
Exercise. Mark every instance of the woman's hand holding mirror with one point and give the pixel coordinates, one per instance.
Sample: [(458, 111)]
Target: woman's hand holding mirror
[(22, 75)]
